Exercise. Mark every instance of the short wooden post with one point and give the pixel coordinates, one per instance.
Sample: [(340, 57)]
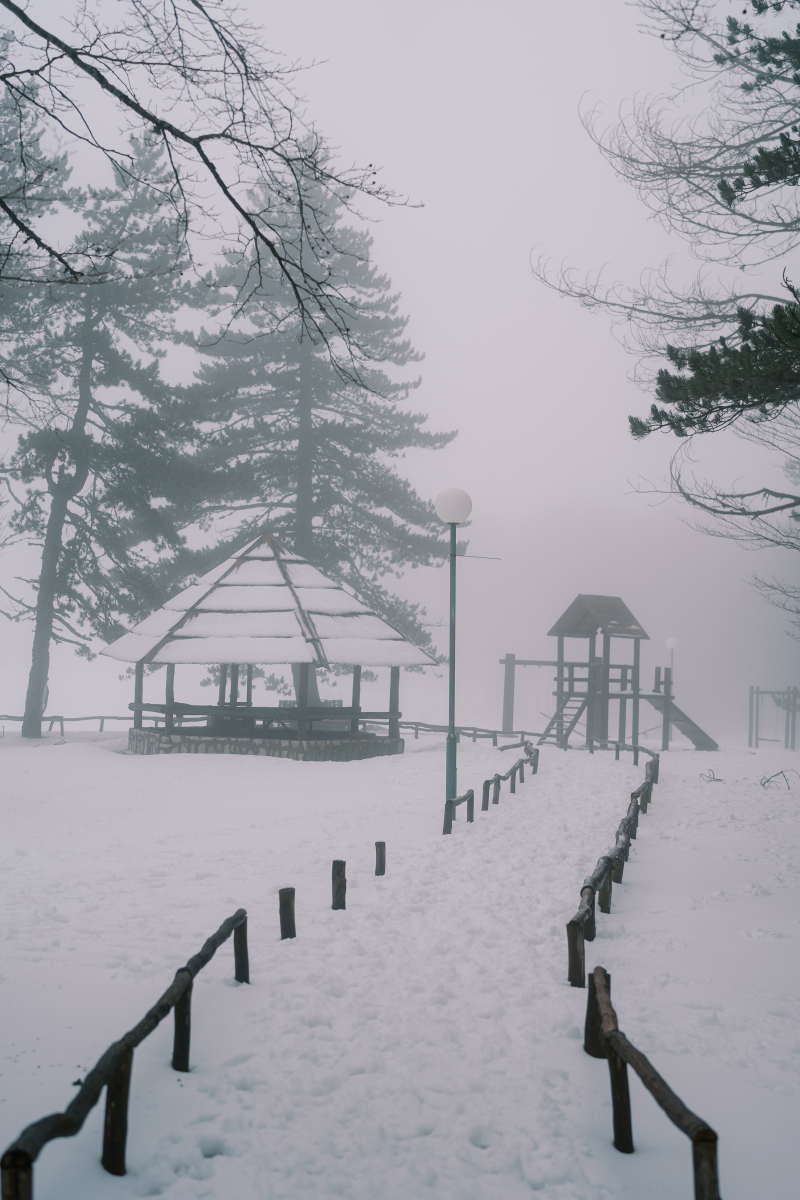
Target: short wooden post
[(496, 794), (470, 806), (590, 924), (286, 913), (339, 884), (487, 783), (521, 771), (115, 1132), (620, 1100), (604, 895), (241, 957), (704, 1158), (594, 1042), (17, 1175), (576, 969), (616, 751), (449, 814), (183, 1028), (618, 868), (170, 697), (394, 704), (380, 858), (138, 694), (513, 782), (356, 700)]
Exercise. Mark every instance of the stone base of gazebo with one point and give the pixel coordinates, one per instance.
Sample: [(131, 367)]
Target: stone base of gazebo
[(156, 741)]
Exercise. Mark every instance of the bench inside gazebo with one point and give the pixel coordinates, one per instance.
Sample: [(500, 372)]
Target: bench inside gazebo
[(265, 606)]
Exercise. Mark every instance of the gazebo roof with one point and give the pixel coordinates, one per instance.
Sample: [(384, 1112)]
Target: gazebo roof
[(588, 614), (266, 605)]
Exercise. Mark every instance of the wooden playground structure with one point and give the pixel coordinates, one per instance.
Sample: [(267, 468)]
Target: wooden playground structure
[(589, 687)]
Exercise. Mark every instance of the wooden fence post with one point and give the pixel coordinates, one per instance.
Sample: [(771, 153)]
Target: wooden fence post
[(449, 813), (496, 794), (594, 1042), (339, 884), (115, 1131), (619, 866), (286, 913), (620, 1100), (183, 1029), (487, 783), (17, 1174), (470, 806), (241, 958), (604, 895), (513, 783), (704, 1159), (380, 858), (576, 971)]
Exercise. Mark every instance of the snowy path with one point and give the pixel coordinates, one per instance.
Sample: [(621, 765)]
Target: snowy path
[(424, 1042)]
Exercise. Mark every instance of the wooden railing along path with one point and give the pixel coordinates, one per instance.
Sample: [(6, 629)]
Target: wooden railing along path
[(113, 1071), (597, 887), (493, 784), (603, 1038)]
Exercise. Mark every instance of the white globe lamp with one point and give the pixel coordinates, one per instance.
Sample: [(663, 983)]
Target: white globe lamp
[(453, 506)]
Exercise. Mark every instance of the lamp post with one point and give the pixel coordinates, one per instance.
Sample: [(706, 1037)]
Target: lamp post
[(669, 685), (453, 507)]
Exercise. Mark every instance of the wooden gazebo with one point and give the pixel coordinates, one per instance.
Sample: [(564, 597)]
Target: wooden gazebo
[(265, 606)]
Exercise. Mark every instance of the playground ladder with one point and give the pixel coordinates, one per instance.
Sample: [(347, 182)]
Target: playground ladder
[(569, 713)]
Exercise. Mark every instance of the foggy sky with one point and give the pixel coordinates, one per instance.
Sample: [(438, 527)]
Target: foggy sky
[(472, 110)]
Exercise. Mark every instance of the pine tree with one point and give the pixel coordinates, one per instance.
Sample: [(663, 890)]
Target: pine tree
[(111, 467), (320, 432)]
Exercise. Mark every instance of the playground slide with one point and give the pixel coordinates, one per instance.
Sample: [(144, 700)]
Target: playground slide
[(686, 725)]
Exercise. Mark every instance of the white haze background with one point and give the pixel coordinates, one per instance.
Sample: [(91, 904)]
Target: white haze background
[(472, 110)]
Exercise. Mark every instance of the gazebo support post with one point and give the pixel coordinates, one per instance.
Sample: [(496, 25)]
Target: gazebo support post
[(138, 695), (394, 703), (623, 706), (234, 685), (560, 691), (591, 688), (170, 697), (302, 702), (356, 702), (223, 683), (249, 685), (635, 706), (605, 685)]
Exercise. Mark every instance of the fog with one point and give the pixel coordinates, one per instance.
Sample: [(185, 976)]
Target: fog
[(472, 111)]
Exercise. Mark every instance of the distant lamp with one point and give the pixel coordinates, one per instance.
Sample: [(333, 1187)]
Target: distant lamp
[(453, 506), (672, 643)]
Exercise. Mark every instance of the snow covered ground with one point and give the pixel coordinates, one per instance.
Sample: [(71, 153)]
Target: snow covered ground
[(424, 1042)]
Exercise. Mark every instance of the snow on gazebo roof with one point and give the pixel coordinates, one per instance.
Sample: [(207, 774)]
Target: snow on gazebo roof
[(266, 605)]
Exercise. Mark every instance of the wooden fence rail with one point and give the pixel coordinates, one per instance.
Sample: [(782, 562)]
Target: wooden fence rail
[(604, 1039), (597, 887), (531, 759), (112, 1071)]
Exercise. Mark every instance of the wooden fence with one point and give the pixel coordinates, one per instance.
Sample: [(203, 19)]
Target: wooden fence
[(518, 770), (604, 1039), (112, 1071), (597, 887)]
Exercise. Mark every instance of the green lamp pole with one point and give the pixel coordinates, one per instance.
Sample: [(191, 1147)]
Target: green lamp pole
[(453, 507)]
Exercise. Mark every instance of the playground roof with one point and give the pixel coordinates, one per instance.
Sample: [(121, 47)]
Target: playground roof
[(588, 614), (266, 605)]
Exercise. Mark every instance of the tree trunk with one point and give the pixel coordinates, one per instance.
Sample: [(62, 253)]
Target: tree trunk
[(62, 488), (43, 629), (304, 504)]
